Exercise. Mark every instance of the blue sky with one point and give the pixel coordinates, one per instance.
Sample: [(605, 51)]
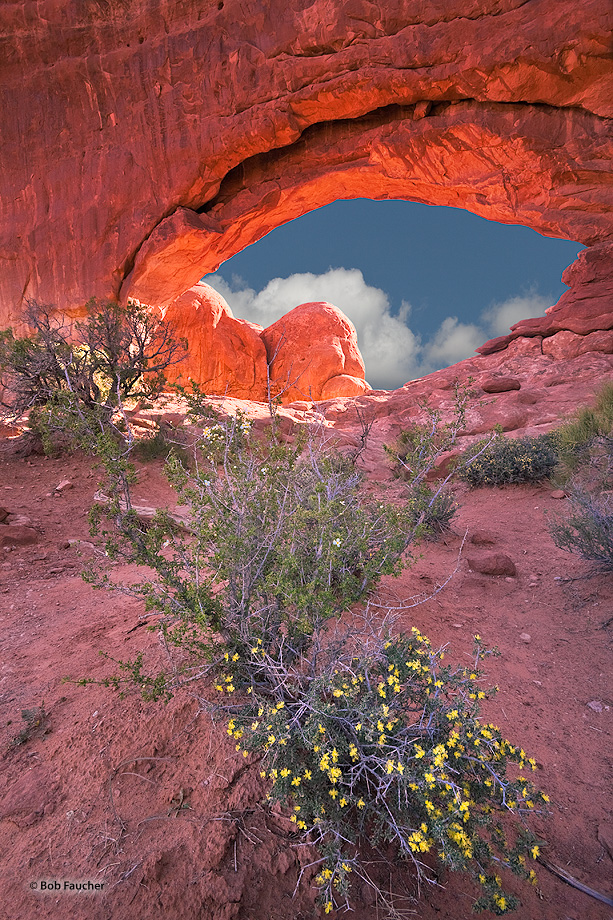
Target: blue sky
[(423, 285)]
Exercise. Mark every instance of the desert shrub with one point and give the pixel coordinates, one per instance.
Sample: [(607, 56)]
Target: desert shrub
[(77, 376), (416, 453), (384, 744), (160, 444), (505, 460), (362, 734), (587, 426), (588, 528), (432, 510), (586, 471)]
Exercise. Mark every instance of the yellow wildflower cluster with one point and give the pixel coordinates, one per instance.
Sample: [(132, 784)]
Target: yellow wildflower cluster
[(419, 841)]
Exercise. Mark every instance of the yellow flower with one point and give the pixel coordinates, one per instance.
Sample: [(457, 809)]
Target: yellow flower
[(534, 852), (390, 766), (361, 803), (307, 774), (333, 793)]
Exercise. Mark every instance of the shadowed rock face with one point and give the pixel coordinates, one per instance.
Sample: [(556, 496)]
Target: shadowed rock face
[(145, 143)]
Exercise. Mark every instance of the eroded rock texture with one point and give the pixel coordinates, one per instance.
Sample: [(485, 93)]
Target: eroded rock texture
[(144, 143), (582, 318)]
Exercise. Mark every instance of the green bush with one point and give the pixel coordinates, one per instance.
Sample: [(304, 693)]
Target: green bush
[(510, 460), (431, 510), (586, 471), (361, 733), (577, 436)]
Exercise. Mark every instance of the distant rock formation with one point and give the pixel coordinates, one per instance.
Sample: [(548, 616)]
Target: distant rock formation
[(226, 356), (312, 351), (144, 144), (581, 321)]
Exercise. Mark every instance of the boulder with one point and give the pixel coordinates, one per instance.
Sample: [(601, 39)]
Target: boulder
[(225, 356), (17, 535), (500, 384), (313, 354)]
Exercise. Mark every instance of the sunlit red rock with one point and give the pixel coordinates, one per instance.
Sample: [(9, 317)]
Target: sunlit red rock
[(313, 354), (143, 144), (587, 307), (225, 355)]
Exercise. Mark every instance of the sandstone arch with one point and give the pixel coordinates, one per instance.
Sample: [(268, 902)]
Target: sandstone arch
[(145, 143)]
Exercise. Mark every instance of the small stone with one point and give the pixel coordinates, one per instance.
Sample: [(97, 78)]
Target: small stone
[(538, 683), (19, 519), (558, 493), (64, 485), (4, 513), (526, 637), (457, 625), (493, 564), (595, 705), (483, 538)]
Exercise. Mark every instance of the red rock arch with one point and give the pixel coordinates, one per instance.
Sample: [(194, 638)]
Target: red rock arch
[(143, 144)]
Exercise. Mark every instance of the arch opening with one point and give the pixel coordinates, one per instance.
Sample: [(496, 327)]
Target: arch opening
[(424, 286)]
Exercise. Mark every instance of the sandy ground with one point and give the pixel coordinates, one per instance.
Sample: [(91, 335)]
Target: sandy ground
[(152, 802)]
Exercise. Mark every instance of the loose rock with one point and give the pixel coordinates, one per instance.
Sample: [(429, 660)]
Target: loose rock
[(492, 564), (500, 384), (17, 535)]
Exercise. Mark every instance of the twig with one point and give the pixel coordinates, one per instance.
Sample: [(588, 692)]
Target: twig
[(571, 880)]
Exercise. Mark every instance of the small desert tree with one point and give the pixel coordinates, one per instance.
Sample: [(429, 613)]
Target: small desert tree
[(74, 377)]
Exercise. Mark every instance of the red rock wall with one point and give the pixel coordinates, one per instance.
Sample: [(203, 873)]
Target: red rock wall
[(145, 142)]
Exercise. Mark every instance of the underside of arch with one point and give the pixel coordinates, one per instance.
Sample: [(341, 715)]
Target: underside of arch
[(517, 164), (144, 144)]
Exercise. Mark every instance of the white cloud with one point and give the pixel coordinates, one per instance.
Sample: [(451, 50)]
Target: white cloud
[(499, 317), (452, 342), (392, 352)]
